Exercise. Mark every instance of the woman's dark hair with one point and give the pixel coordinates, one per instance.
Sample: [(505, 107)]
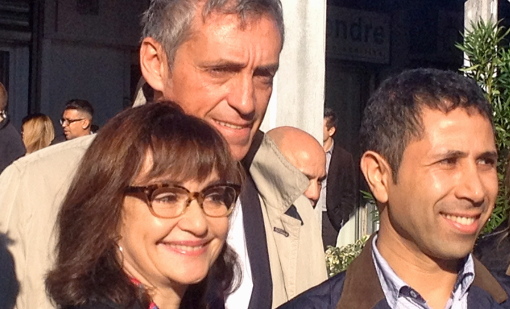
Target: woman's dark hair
[(182, 147)]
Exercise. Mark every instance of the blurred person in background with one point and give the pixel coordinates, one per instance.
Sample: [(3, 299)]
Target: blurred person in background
[(305, 153), (11, 146), (338, 192), (37, 132), (77, 118)]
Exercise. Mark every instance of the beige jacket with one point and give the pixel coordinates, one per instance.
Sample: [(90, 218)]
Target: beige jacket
[(296, 255), (31, 191)]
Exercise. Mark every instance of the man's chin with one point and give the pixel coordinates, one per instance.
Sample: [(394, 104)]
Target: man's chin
[(239, 152)]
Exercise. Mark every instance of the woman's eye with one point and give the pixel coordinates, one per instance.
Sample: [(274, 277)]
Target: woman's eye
[(215, 198), (166, 198)]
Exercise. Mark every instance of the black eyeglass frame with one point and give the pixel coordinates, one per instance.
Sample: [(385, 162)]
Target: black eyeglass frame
[(148, 192), (69, 121)]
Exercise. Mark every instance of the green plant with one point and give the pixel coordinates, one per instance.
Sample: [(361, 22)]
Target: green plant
[(338, 258), (487, 53), (369, 198)]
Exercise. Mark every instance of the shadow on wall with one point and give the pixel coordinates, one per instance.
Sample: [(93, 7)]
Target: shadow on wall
[(9, 286)]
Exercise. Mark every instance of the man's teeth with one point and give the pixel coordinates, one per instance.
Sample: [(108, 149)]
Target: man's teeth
[(229, 125), (460, 220)]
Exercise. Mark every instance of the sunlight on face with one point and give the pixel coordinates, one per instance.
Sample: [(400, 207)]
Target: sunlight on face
[(173, 252), (447, 185), (224, 75)]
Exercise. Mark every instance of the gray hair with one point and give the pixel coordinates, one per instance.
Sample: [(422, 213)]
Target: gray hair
[(169, 21)]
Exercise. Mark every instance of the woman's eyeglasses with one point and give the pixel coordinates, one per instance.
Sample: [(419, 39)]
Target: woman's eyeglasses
[(171, 201)]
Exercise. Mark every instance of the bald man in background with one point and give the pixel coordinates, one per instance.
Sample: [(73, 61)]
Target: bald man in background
[(305, 153), (290, 217)]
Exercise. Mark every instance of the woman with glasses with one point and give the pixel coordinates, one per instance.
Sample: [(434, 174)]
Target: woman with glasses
[(145, 221)]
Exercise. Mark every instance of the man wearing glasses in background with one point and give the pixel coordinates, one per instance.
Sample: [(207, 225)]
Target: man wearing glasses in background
[(76, 119)]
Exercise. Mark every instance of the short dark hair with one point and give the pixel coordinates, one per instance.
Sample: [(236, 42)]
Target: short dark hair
[(81, 106), (392, 117), (331, 118), (182, 147)]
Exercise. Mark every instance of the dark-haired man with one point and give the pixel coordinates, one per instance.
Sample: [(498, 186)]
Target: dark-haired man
[(76, 119), (217, 60), (430, 161), (338, 192)]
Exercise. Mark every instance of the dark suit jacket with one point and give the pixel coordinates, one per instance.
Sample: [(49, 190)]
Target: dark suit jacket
[(359, 288), (11, 145), (341, 192)]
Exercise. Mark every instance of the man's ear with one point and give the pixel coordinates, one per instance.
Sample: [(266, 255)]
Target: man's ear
[(154, 64), (331, 131), (377, 173), (86, 124)]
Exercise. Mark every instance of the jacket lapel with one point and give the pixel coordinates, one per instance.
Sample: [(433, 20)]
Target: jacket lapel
[(257, 247), (486, 281), (362, 289)]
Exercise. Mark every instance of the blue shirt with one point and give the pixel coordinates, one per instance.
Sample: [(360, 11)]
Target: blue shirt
[(400, 295)]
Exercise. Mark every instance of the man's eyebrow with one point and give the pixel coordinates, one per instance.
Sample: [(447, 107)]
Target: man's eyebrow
[(463, 154), (489, 154), (264, 69), (223, 64), (453, 154), (236, 66)]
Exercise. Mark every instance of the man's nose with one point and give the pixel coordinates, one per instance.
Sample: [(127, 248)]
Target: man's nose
[(242, 95), (471, 185), (313, 192)]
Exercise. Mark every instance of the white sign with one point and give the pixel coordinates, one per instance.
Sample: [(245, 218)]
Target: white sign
[(357, 35)]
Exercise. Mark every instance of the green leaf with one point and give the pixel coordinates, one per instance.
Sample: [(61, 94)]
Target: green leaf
[(486, 50)]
